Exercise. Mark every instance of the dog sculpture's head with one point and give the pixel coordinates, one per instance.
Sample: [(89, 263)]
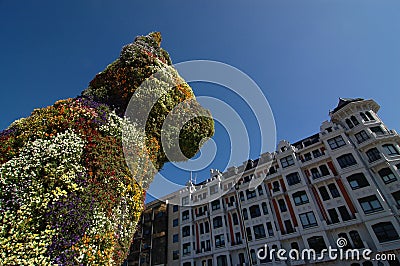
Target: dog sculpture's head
[(143, 85)]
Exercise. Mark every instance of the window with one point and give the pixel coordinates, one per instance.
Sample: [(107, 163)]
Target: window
[(215, 205), (344, 235), (373, 155), (289, 226), (295, 246), (315, 173), (369, 115), (275, 186), (269, 228), (396, 196), (248, 233), (344, 213), (336, 142), (317, 243), (324, 170), (361, 136), (238, 238), (282, 205), (175, 238), (300, 198), (287, 161), (333, 215), (324, 193), (187, 264), (354, 120), (206, 227), (185, 201), (316, 153), (355, 237), (364, 117), (245, 214), (185, 215), (219, 241), (222, 261), (377, 130), (186, 249), (349, 124), (213, 189), (175, 208), (308, 219), (307, 156), (334, 191), (259, 231), (255, 211), (175, 255), (241, 258), (390, 150), (175, 223), (293, 178), (201, 225), (253, 257), (357, 181), (385, 232), (235, 219), (185, 231), (387, 175), (260, 190), (241, 196), (250, 194), (264, 208), (370, 204), (217, 222), (346, 160)]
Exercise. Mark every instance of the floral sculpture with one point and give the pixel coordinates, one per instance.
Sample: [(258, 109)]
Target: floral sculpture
[(73, 176)]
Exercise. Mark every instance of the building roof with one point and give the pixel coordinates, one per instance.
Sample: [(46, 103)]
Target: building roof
[(345, 101)]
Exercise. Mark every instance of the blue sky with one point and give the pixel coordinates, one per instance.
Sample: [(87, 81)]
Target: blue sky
[(302, 54)]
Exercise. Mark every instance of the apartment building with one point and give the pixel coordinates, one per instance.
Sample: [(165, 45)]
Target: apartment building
[(343, 182), (151, 239)]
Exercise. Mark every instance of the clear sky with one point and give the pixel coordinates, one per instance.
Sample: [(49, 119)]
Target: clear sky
[(304, 55)]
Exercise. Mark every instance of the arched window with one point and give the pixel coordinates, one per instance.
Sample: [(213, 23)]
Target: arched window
[(355, 237), (349, 124), (357, 181), (354, 120), (344, 235)]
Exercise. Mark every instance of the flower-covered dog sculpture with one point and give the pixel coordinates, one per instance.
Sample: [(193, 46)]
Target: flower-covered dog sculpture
[(74, 175)]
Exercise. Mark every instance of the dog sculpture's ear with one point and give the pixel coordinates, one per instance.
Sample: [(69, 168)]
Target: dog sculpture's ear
[(118, 82)]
